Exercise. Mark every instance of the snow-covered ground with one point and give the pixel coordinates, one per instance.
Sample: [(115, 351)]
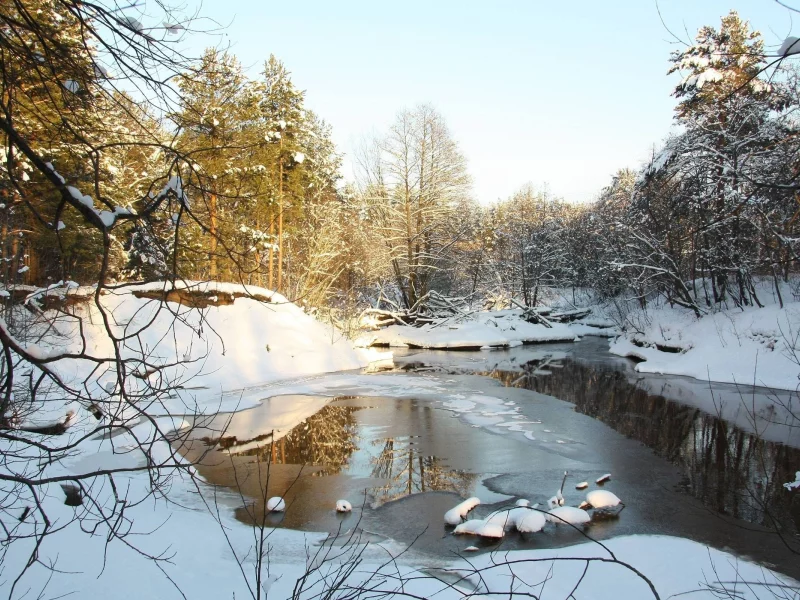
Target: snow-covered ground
[(756, 346), (202, 551), (204, 355), (487, 330), (195, 528)]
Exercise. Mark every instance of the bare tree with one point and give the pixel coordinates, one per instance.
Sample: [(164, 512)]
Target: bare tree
[(415, 180)]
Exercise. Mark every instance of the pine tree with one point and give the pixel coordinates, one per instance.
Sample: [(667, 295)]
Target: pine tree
[(284, 118), (218, 135), (724, 107)]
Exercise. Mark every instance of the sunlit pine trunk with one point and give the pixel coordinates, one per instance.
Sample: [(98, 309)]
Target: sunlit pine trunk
[(213, 231), (280, 223), (271, 247)]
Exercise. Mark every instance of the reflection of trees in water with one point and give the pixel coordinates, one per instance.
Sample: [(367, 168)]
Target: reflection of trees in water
[(326, 438), (407, 472), (730, 470)]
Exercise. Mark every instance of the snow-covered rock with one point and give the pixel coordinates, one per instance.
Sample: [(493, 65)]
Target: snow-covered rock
[(532, 522), (507, 518), (481, 528), (568, 515), (456, 515), (468, 527), (276, 504), (343, 506), (602, 499)]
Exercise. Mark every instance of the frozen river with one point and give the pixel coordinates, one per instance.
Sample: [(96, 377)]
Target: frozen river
[(404, 447)]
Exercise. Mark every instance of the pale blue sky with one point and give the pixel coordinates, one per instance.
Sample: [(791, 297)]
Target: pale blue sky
[(555, 92)]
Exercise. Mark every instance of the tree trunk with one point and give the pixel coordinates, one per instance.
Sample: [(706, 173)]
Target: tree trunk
[(280, 226), (213, 230), (271, 248)]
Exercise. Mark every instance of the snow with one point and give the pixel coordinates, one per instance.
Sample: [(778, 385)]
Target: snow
[(568, 515), (676, 567), (789, 47), (582, 329), (246, 344), (480, 528), (107, 217), (532, 522), (602, 499), (455, 515), (78, 195), (490, 530), (133, 23), (276, 504), (750, 346), (343, 506), (202, 565), (496, 329), (793, 485), (468, 527), (582, 485), (507, 519), (603, 478), (24, 269)]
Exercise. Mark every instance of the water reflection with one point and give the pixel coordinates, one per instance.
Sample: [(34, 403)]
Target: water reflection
[(730, 470), (313, 451), (327, 438), (407, 471)]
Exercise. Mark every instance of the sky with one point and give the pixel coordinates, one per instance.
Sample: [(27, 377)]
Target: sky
[(558, 94)]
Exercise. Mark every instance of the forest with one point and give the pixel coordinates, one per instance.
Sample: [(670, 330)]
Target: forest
[(714, 208)]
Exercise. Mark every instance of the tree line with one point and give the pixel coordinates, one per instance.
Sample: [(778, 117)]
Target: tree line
[(715, 208), (262, 200)]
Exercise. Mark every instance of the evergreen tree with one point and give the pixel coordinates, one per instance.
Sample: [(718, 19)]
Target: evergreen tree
[(284, 119), (218, 125)]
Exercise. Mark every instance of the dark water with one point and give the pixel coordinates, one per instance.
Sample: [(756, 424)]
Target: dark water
[(730, 470), (404, 462)]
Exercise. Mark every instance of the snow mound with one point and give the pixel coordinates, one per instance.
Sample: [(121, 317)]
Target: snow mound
[(227, 338), (568, 515), (507, 519), (480, 528), (276, 504), (602, 499), (455, 515), (532, 522)]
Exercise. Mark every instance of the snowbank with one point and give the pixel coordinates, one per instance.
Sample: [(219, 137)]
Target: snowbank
[(496, 329), (234, 337), (756, 346)]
